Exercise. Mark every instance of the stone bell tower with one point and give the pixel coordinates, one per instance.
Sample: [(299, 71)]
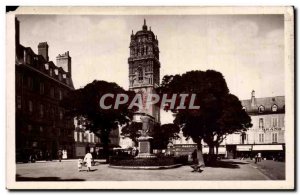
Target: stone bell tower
[(144, 68), (144, 78)]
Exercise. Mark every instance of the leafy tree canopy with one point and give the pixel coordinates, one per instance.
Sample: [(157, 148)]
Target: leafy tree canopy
[(220, 112), (84, 103)]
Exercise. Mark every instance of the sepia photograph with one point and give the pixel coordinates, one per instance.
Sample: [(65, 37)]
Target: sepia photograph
[(150, 98)]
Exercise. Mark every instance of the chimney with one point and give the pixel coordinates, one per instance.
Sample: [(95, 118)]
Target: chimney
[(253, 98), (17, 33), (64, 61), (43, 50)]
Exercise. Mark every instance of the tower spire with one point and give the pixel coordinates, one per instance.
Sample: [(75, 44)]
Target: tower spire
[(145, 26)]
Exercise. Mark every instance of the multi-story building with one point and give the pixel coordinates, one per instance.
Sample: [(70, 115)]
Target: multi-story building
[(42, 128), (266, 136), (86, 140)]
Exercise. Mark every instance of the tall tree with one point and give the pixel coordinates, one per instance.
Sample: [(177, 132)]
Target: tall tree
[(163, 134), (220, 112), (84, 103)]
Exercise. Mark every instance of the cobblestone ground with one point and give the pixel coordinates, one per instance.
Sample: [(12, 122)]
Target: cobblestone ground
[(67, 171)]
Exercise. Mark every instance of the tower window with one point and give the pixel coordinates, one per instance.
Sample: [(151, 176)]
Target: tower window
[(140, 74)]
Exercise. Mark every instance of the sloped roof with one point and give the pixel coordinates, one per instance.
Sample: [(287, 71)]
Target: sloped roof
[(267, 103)]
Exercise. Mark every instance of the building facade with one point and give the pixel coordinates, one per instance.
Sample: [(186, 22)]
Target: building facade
[(144, 69), (266, 136), (87, 141), (42, 128)]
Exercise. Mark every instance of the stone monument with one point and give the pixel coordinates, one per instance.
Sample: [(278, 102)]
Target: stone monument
[(144, 141)]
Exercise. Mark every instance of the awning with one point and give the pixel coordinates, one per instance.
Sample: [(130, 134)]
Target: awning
[(221, 150), (243, 148), (267, 147)]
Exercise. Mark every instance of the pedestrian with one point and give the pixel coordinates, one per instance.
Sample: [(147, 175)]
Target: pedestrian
[(88, 159), (196, 167), (259, 157), (256, 158), (79, 164), (59, 153)]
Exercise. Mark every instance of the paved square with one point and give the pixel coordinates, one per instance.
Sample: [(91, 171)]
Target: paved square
[(67, 171)]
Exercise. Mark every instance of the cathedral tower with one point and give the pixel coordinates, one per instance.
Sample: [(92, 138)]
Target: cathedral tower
[(144, 67)]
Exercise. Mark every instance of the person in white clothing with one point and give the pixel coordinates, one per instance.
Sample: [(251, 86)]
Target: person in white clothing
[(88, 159)]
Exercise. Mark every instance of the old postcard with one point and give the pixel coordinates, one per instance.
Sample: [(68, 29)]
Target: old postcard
[(150, 98)]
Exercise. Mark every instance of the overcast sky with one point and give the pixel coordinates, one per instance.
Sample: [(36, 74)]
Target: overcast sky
[(247, 49)]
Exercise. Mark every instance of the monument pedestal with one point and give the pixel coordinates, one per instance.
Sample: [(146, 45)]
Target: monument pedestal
[(145, 150)]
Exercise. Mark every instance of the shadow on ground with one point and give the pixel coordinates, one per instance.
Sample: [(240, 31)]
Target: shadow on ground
[(225, 164), (20, 178)]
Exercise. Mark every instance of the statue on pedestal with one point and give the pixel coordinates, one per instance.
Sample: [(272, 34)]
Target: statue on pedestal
[(145, 127)]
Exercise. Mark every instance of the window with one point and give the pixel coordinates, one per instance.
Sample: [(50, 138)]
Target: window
[(19, 80), (42, 88), (30, 83), (52, 92), (51, 72), (46, 66), (261, 109), (52, 113), (140, 74), (261, 123), (41, 110), (60, 94), (261, 137), (30, 109), (61, 115), (274, 122), (19, 102), (75, 136), (274, 137), (274, 108), (29, 128)]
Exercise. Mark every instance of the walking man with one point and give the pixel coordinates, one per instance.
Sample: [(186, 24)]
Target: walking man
[(59, 155)]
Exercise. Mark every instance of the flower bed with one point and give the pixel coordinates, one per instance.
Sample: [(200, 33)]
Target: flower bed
[(146, 162)]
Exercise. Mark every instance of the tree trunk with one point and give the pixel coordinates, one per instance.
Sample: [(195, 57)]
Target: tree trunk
[(199, 154), (211, 149), (106, 152)]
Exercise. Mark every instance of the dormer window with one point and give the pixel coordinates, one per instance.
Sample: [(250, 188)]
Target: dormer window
[(261, 109), (274, 108), (56, 72), (47, 66)]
